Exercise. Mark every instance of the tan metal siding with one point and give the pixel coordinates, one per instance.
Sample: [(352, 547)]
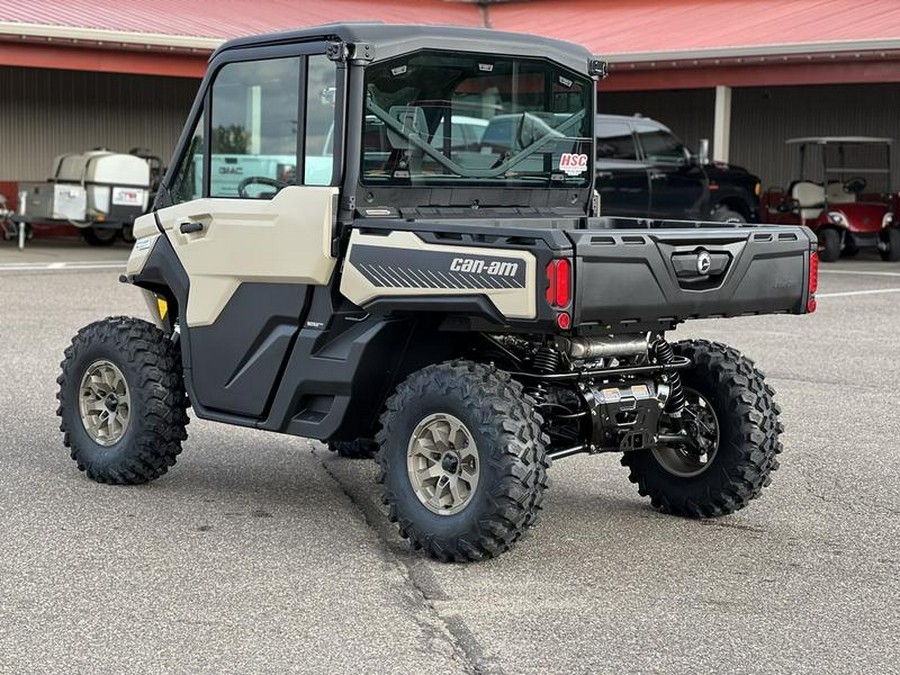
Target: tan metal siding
[(688, 113), (45, 113), (764, 117)]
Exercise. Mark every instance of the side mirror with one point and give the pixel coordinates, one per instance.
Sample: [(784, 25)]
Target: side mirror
[(703, 151)]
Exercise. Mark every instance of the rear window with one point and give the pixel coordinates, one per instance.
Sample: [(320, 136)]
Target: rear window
[(615, 141)]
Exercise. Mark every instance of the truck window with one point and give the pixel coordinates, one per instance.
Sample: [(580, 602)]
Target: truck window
[(318, 165), (255, 107), (188, 182), (661, 147), (615, 141)]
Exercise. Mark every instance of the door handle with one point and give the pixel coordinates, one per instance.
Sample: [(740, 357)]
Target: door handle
[(190, 226), (657, 175), (604, 174)]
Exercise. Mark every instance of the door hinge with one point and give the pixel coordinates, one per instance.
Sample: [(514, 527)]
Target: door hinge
[(350, 51)]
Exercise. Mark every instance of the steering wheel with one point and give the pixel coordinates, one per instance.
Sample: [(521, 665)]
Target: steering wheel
[(260, 180), (855, 185)]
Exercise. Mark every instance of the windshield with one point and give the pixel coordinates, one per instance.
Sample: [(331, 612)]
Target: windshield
[(448, 119)]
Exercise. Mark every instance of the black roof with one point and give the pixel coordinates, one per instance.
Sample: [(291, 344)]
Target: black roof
[(390, 40)]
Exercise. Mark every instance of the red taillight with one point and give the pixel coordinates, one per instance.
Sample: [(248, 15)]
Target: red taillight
[(559, 282), (813, 281), (813, 272)]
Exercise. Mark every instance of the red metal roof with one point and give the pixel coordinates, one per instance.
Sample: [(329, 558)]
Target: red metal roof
[(607, 27), (641, 26), (229, 18), (651, 43)]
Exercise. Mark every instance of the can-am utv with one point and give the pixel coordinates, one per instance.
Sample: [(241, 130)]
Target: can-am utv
[(381, 277)]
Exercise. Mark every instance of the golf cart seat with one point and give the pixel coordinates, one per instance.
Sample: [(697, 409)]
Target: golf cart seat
[(809, 198), (838, 195)]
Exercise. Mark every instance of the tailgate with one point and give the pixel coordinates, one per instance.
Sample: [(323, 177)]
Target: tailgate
[(669, 275)]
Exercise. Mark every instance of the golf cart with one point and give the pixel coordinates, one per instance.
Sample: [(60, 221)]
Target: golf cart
[(843, 194)]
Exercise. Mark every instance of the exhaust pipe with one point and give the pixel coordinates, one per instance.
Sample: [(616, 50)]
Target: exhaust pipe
[(588, 348)]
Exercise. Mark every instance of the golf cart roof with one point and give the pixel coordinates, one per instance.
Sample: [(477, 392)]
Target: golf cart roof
[(382, 41), (839, 140)]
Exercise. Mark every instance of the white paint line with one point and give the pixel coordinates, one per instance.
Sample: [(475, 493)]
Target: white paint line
[(845, 294), (860, 273), (59, 267)]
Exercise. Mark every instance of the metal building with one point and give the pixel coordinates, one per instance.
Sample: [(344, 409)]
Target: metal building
[(80, 74)]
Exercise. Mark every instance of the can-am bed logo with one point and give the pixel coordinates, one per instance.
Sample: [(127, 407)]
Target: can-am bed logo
[(496, 268)]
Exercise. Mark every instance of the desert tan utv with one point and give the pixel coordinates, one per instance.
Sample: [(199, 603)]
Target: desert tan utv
[(386, 238)]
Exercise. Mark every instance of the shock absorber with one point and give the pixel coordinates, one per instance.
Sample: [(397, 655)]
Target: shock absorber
[(546, 360), (664, 354)]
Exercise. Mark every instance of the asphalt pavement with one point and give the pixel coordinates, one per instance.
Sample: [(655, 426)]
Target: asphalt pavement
[(261, 553)]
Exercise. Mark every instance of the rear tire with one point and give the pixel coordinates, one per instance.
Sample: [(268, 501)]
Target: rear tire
[(748, 438), (100, 236), (480, 419), (892, 254), (723, 214), (361, 448), (122, 402), (829, 245)]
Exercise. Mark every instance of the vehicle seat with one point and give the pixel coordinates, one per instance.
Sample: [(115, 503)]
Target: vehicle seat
[(412, 119), (837, 195), (810, 197)]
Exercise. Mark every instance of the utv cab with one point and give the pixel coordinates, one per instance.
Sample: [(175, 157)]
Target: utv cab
[(843, 194), (385, 238)]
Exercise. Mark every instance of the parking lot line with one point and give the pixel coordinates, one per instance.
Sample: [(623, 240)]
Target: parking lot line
[(61, 266), (844, 294), (861, 273)]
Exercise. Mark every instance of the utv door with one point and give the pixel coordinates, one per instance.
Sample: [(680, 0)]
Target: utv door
[(678, 187), (622, 179), (251, 221)]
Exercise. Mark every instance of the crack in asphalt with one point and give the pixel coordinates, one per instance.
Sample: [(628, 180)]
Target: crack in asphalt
[(424, 588)]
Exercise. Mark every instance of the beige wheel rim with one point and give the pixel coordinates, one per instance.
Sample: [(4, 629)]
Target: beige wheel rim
[(443, 464), (104, 403)]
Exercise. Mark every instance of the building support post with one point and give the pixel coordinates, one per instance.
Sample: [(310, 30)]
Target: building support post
[(722, 126)]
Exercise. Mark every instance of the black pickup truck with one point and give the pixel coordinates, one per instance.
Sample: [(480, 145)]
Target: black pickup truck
[(459, 308), (643, 170)]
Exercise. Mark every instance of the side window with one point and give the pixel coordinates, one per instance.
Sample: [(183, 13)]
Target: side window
[(661, 147), (188, 182), (615, 141), (321, 85), (255, 107)]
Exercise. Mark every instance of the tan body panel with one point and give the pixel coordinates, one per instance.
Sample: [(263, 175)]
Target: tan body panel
[(513, 303), (283, 240)]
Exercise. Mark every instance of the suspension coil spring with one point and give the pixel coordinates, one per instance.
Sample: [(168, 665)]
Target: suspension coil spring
[(664, 354), (546, 360)]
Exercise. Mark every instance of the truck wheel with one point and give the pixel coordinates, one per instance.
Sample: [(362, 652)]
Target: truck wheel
[(733, 420), (100, 236), (462, 461), (892, 253), (829, 245), (723, 214), (122, 401), (361, 448)]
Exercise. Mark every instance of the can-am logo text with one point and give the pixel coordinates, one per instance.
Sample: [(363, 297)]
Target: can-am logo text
[(495, 268)]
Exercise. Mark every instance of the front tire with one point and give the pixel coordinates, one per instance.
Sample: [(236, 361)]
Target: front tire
[(892, 253), (462, 461), (100, 236), (122, 402), (829, 245), (360, 448), (745, 422)]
